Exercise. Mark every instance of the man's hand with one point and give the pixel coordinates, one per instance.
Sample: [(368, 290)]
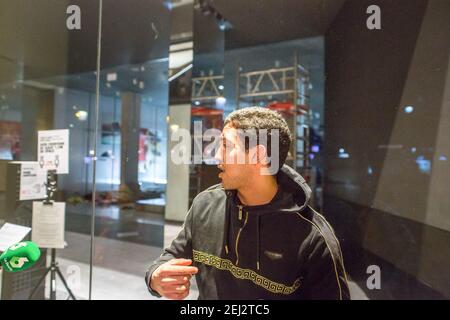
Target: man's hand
[(172, 279)]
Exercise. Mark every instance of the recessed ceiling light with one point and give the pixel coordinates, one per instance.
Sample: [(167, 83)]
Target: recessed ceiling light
[(409, 109)]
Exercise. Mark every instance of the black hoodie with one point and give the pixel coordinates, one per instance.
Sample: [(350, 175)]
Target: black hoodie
[(281, 250)]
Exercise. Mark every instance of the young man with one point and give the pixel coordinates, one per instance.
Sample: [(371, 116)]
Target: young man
[(253, 236)]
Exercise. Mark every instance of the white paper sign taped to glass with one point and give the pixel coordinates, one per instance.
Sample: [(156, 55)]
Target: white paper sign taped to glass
[(53, 150), (11, 234), (32, 181), (48, 224)]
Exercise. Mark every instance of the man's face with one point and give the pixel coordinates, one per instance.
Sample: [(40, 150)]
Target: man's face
[(233, 160)]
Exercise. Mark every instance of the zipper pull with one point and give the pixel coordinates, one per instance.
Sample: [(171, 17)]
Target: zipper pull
[(240, 212)]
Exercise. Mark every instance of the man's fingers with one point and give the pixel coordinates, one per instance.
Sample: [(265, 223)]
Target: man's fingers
[(176, 277), (177, 296), (171, 270), (176, 289), (180, 262), (175, 281), (173, 278), (172, 284)]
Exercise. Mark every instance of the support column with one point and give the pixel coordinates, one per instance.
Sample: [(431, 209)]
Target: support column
[(129, 146)]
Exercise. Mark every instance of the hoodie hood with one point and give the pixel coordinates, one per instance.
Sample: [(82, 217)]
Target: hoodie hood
[(291, 182), (293, 195)]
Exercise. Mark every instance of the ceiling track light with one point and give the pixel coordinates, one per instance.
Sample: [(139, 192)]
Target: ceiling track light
[(205, 7)]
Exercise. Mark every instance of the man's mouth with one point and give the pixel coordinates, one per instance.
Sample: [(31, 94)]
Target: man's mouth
[(221, 171)]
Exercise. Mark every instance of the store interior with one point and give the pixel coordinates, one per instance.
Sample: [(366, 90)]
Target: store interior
[(369, 110)]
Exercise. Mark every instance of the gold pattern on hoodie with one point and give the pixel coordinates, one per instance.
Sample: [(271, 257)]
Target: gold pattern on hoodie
[(245, 274)]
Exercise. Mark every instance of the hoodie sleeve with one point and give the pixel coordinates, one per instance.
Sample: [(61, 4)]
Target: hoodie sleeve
[(181, 247), (325, 277)]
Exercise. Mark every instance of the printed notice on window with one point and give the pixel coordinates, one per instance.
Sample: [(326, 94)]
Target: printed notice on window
[(32, 181), (11, 234), (53, 150), (48, 224)]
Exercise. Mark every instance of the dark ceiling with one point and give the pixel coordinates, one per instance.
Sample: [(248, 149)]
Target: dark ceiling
[(258, 22), (137, 32)]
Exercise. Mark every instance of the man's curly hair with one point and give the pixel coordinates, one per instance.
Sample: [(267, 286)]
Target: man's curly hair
[(257, 118)]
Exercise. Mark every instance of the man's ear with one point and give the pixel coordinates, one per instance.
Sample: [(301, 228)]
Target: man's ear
[(261, 154)]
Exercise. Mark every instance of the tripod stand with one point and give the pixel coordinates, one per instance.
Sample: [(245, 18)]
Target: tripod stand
[(54, 270)]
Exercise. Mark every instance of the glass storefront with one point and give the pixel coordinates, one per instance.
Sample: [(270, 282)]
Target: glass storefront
[(368, 107), (49, 81)]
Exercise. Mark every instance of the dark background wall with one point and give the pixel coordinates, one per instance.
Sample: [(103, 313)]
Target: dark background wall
[(383, 199)]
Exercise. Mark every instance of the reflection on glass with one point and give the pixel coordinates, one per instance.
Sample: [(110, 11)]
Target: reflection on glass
[(369, 109), (41, 89)]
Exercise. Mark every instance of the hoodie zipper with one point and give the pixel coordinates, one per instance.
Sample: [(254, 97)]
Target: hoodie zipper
[(240, 212), (239, 233)]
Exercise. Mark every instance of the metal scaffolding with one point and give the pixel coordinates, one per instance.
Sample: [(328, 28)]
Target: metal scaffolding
[(206, 89), (286, 90), (283, 89)]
